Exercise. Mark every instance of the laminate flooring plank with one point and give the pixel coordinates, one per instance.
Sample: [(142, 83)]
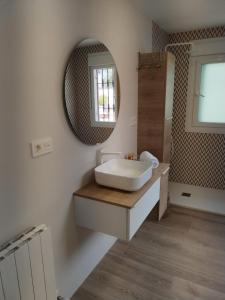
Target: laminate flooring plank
[(182, 257)]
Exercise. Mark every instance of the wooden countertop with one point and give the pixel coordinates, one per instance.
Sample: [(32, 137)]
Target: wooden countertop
[(117, 197)]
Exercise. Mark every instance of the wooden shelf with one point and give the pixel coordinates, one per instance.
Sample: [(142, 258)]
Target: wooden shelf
[(120, 198)]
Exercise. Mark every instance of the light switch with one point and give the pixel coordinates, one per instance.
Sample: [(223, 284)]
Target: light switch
[(42, 146)]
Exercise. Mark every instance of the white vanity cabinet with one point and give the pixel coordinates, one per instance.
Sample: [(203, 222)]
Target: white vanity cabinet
[(115, 212)]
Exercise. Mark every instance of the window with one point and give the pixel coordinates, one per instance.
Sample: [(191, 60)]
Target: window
[(103, 78), (206, 94), (211, 100)]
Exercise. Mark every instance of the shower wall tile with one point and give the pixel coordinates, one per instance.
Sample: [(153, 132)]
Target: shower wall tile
[(199, 158)]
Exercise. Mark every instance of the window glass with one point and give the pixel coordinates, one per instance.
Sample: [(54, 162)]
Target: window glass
[(212, 93), (104, 94)]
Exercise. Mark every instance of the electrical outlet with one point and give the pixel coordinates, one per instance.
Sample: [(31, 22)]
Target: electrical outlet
[(41, 147)]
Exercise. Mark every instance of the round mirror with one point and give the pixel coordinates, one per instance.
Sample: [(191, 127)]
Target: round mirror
[(91, 92)]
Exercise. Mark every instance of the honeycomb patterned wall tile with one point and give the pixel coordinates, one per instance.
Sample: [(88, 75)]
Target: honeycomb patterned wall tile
[(199, 158), (160, 38)]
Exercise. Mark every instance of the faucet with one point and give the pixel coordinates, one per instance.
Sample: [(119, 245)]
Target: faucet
[(102, 152)]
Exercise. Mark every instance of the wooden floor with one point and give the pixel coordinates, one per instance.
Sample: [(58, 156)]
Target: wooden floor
[(181, 257)]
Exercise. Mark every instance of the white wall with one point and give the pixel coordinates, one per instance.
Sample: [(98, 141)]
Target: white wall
[(36, 38)]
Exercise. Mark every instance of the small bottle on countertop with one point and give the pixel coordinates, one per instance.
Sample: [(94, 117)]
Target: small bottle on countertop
[(131, 156)]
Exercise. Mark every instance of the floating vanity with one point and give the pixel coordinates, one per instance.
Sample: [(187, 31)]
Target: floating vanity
[(120, 213)]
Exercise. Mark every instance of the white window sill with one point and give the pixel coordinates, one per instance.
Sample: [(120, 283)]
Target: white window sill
[(205, 129)]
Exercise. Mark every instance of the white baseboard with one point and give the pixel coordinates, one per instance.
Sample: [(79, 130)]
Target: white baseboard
[(203, 199)]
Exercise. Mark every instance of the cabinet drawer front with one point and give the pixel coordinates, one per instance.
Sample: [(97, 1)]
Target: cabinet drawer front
[(101, 217), (138, 214)]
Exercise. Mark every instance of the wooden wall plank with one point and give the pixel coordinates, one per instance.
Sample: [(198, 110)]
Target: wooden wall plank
[(155, 103)]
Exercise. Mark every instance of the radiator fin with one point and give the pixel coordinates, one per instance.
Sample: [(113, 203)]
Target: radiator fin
[(1, 289), (24, 273), (48, 265), (9, 278), (37, 268)]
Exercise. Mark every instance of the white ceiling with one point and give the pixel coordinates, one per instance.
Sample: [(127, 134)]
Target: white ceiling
[(182, 15)]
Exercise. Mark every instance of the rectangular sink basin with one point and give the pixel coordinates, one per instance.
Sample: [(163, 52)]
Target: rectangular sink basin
[(123, 174)]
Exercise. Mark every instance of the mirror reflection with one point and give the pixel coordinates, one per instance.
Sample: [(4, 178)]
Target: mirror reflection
[(91, 92)]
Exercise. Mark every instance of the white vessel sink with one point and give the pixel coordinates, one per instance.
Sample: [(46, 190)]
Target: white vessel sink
[(123, 174)]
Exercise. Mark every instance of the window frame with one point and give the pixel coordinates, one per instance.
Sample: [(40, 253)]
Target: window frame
[(101, 60), (194, 80)]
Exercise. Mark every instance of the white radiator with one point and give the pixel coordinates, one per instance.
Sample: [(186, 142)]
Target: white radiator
[(27, 267)]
